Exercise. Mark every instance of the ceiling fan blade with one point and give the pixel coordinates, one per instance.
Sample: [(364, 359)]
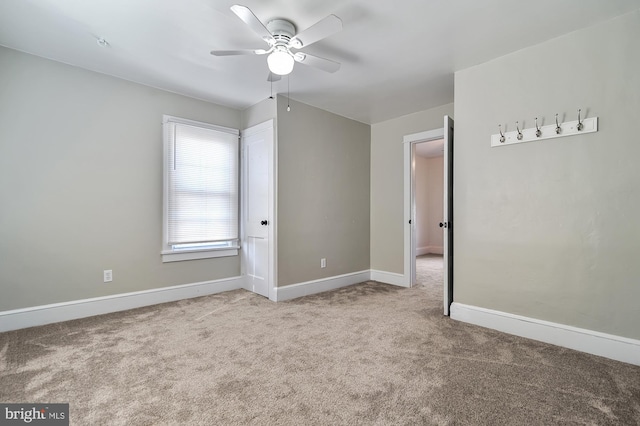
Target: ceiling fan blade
[(273, 77), (238, 52), (321, 29), (315, 61), (252, 21)]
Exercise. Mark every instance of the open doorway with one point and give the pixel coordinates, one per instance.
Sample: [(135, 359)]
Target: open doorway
[(410, 238), (429, 197), (428, 201)]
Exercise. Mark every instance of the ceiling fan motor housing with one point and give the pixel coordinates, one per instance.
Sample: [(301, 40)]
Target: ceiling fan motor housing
[(282, 31)]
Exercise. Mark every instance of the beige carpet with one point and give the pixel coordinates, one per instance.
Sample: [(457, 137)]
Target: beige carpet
[(370, 354)]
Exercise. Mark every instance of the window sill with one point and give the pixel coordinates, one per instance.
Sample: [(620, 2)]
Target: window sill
[(179, 256)]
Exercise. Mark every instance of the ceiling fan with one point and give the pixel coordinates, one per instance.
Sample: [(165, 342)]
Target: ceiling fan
[(284, 43)]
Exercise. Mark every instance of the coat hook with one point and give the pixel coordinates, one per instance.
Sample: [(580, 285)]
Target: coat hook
[(519, 132), (558, 129), (502, 139), (538, 131), (579, 126)]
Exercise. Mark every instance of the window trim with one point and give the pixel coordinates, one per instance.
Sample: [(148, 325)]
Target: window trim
[(168, 253)]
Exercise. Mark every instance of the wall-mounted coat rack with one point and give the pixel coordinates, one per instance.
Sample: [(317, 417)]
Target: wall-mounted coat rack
[(556, 130)]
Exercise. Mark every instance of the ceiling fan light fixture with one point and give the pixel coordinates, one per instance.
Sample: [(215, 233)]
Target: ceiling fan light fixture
[(280, 62)]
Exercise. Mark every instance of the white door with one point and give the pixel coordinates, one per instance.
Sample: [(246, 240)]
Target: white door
[(447, 218), (257, 207)]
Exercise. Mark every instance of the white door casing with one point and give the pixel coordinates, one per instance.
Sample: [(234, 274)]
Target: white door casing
[(257, 209)]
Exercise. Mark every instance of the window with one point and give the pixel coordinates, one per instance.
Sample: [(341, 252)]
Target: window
[(201, 182)]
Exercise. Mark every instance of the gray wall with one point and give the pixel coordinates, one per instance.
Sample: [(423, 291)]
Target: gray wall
[(81, 184), (323, 193), (259, 113), (550, 229), (387, 184)]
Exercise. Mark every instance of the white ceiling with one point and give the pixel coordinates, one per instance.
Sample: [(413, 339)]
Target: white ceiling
[(397, 57)]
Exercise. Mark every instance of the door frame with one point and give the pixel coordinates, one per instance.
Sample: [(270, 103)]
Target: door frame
[(409, 142), (272, 186)]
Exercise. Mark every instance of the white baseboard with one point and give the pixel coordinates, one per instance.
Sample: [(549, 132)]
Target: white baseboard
[(58, 312), (318, 286), (388, 278), (429, 250), (593, 342)]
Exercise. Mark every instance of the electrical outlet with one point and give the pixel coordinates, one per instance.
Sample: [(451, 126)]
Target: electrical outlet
[(108, 275), (323, 263)]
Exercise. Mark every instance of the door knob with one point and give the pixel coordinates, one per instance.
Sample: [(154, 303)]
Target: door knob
[(264, 223)]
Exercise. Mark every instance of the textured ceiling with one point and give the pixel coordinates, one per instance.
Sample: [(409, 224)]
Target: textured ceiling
[(397, 57)]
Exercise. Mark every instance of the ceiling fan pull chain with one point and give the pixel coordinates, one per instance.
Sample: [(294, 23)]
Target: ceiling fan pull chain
[(288, 93)]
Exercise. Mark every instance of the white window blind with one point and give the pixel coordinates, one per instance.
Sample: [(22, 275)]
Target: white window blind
[(202, 185)]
